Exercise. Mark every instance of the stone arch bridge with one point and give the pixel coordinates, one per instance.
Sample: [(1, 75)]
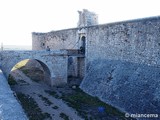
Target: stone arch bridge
[(54, 63)]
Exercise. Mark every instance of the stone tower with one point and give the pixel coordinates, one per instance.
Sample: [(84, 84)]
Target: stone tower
[(87, 18)]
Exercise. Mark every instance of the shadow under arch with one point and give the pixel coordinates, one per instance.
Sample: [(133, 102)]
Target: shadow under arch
[(47, 73), (33, 63)]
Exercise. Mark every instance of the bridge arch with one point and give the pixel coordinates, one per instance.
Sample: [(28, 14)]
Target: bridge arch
[(47, 73), (33, 65), (54, 63)]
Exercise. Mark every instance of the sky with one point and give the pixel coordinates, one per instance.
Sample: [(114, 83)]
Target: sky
[(19, 18)]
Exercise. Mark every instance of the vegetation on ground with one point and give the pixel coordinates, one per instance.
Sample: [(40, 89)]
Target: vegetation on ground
[(55, 107), (31, 108), (33, 72), (52, 93), (89, 107), (22, 82), (11, 80), (64, 116), (45, 100), (82, 102)]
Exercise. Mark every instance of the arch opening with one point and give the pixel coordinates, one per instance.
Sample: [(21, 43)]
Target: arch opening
[(83, 44), (28, 71)]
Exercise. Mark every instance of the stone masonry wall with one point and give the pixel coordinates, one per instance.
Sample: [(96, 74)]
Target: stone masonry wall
[(81, 67), (72, 66), (135, 41), (38, 41), (63, 39), (55, 61), (123, 64), (122, 61)]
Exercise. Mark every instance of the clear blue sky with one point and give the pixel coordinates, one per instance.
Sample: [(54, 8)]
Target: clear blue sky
[(18, 18)]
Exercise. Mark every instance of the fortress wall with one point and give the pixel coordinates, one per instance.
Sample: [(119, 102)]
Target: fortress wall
[(38, 41), (135, 41), (81, 67), (72, 66), (123, 65), (63, 39)]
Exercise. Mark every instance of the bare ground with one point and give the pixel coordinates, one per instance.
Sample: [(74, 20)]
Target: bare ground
[(36, 90), (57, 103)]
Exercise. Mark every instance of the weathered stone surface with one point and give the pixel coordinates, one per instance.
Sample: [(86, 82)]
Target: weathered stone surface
[(63, 39), (10, 108), (72, 67), (131, 87), (55, 62), (87, 18), (123, 64), (133, 41), (122, 61)]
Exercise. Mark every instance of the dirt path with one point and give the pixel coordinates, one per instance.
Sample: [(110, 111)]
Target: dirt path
[(37, 91)]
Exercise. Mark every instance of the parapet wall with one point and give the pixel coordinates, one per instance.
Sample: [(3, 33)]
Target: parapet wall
[(63, 39), (123, 65)]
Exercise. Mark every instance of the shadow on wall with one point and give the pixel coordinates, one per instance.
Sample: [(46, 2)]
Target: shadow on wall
[(32, 68), (131, 87)]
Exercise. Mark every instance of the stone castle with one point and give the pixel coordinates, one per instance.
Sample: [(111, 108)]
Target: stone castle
[(72, 40), (118, 62)]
